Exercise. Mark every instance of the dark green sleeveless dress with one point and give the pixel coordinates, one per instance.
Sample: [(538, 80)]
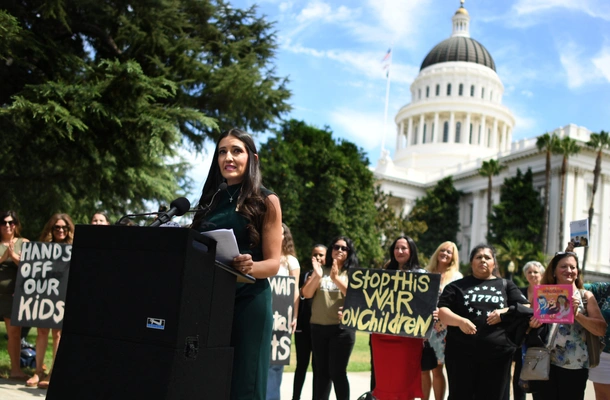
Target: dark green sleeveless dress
[(252, 316)]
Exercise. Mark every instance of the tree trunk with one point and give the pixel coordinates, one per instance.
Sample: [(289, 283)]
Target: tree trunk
[(547, 186), (596, 174), (488, 205), (564, 167)]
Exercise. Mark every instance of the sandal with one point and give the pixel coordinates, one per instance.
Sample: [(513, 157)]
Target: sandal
[(33, 380), (44, 383)]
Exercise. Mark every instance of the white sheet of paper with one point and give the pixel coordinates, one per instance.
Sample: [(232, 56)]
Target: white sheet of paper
[(226, 247)]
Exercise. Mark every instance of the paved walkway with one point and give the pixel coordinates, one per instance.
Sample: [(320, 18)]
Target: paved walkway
[(359, 384)]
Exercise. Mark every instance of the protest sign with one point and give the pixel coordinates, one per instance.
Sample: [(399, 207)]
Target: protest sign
[(282, 304), (391, 302), (553, 303), (579, 232), (42, 280)]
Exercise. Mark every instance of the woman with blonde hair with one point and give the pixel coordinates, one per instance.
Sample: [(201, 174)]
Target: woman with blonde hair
[(59, 229), (444, 261)]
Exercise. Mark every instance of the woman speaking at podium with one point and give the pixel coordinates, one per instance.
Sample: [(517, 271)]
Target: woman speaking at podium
[(254, 214)]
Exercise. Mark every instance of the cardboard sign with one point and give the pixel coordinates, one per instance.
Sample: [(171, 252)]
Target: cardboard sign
[(391, 302), (553, 303), (282, 304), (42, 280)]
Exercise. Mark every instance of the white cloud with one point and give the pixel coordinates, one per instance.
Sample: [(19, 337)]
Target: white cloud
[(579, 69), (365, 129), (319, 11), (602, 62), (527, 93), (366, 63), (285, 6), (593, 8)]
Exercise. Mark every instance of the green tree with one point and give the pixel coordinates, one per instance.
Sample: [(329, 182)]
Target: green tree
[(490, 169), (548, 144), (98, 97), (391, 223), (518, 215), (325, 187), (566, 147), (439, 209), (599, 142)]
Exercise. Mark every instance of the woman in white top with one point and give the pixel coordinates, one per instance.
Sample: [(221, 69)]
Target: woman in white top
[(444, 261), (289, 266)]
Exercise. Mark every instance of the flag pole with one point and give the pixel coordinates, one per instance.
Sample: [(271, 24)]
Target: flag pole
[(387, 101)]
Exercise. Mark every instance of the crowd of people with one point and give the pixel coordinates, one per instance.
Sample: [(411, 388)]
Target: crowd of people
[(58, 229), (481, 322)]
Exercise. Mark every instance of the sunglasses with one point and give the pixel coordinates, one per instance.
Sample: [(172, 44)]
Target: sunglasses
[(61, 228), (9, 223), (336, 247), (569, 253)]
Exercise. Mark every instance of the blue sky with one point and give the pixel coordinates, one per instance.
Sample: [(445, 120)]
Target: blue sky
[(553, 57)]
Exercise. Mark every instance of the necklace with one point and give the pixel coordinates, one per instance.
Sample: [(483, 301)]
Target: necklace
[(234, 193)]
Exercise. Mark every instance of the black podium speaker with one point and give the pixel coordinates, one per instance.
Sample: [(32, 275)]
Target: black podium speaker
[(148, 315)]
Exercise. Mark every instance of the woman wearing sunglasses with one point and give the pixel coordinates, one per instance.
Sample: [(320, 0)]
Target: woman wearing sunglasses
[(10, 253), (59, 229), (331, 345)]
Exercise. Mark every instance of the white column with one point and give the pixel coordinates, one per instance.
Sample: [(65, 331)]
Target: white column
[(420, 129), (452, 127), (483, 138), (435, 134), (505, 142), (400, 135), (494, 135), (466, 129), (601, 237), (409, 139)]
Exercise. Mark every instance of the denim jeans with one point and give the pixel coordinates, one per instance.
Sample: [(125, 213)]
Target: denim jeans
[(274, 381)]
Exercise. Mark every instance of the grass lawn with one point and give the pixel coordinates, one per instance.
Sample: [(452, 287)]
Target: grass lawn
[(359, 361), (5, 363)]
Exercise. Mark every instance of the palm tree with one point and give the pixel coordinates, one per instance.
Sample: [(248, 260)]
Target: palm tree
[(566, 147), (546, 143), (599, 142), (488, 169)]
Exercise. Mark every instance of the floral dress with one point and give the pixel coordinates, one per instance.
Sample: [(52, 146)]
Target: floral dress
[(570, 345), (437, 339)]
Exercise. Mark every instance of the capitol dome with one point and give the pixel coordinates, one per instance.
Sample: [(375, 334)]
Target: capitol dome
[(459, 48)]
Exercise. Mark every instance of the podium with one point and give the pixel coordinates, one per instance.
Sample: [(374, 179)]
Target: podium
[(148, 314)]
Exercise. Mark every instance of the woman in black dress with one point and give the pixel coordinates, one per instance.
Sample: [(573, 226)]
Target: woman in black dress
[(254, 214)]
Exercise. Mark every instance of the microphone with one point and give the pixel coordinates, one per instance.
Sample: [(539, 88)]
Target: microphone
[(120, 221), (221, 187), (177, 208)]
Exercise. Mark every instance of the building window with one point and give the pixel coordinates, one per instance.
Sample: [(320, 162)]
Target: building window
[(448, 89), (458, 130), (415, 134), (419, 94), (491, 95), (432, 134), (438, 89), (482, 93), (471, 206), (479, 141), (424, 137), (446, 132), (427, 91), (470, 136), (472, 91), (489, 137), (461, 89)]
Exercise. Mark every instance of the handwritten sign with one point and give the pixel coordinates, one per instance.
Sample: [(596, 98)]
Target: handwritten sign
[(553, 303), (42, 280), (282, 304), (391, 302)]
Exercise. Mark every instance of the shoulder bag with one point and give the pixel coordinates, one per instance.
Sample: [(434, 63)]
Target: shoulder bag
[(537, 360), (595, 344)]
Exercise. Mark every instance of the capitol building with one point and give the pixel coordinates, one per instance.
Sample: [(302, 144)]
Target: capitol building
[(456, 120)]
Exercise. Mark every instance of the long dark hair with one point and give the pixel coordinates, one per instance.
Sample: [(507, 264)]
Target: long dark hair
[(483, 246), (351, 261), (549, 277), (412, 263), (11, 213), (250, 202)]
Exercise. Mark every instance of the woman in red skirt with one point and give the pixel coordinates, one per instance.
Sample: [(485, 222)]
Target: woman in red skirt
[(397, 359)]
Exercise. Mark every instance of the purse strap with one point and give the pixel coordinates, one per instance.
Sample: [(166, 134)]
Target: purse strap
[(552, 334)]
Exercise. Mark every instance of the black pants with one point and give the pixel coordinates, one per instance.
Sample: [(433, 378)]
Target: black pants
[(565, 384), (332, 347), (302, 344), (471, 378)]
